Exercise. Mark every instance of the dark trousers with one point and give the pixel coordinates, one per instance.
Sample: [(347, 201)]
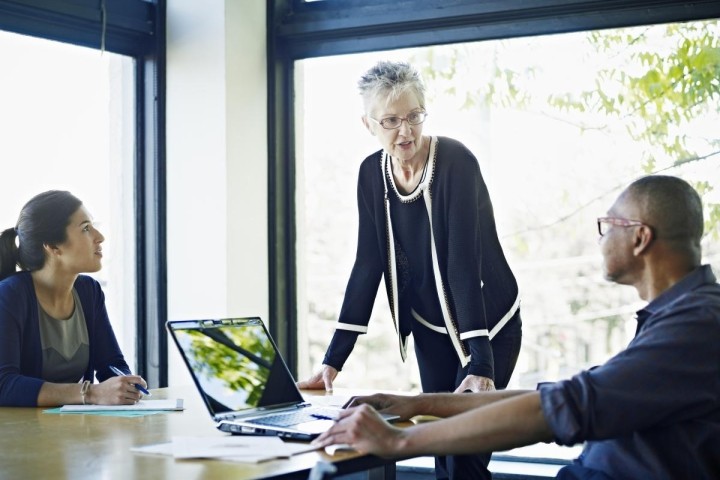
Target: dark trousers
[(440, 371)]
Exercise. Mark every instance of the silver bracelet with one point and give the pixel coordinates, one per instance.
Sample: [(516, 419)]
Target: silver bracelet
[(84, 390)]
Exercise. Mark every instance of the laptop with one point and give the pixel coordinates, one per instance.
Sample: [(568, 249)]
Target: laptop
[(244, 382)]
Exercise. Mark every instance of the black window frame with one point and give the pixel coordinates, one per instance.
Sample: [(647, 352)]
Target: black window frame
[(135, 28), (297, 30)]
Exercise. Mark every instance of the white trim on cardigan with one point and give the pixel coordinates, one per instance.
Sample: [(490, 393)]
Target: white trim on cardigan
[(506, 318), (483, 332), (395, 301), (429, 325), (352, 327), (422, 190)]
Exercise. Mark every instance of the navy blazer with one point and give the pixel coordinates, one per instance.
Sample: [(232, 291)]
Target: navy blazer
[(20, 347)]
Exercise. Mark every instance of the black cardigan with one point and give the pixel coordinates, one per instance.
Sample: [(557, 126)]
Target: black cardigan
[(468, 251)]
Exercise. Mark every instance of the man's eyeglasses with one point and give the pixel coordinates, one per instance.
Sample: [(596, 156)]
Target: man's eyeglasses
[(391, 123), (603, 222)]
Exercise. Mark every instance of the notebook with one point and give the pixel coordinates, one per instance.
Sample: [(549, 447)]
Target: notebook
[(243, 380)]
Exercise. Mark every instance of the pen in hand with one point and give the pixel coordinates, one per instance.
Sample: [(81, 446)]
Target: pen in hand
[(322, 417), (119, 372)]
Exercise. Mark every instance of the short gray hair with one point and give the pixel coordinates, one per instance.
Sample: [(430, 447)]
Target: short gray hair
[(390, 80)]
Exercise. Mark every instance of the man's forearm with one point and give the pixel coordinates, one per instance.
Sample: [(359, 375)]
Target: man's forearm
[(506, 422), (450, 404)]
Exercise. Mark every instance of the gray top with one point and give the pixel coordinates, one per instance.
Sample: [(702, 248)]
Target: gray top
[(65, 345)]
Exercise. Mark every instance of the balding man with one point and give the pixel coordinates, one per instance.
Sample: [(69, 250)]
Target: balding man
[(651, 412)]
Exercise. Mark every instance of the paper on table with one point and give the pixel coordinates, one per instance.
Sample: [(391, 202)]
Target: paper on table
[(235, 446), (248, 449), (172, 404)]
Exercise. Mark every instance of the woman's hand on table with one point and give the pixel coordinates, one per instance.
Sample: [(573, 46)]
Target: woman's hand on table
[(321, 380), (474, 383)]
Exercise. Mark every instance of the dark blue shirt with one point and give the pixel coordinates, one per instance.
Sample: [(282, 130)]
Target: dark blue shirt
[(653, 410)]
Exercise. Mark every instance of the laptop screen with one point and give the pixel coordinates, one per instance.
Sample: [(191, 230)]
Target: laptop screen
[(235, 364)]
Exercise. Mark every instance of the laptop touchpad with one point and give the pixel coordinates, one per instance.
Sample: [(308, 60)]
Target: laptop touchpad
[(314, 426)]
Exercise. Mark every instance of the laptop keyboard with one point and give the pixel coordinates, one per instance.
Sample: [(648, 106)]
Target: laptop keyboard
[(300, 416)]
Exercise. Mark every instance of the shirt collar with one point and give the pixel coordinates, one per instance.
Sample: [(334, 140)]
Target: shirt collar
[(693, 280)]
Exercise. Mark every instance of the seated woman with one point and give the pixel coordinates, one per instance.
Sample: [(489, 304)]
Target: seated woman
[(55, 335)]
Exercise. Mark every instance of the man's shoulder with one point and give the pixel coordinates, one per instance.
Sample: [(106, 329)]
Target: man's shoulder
[(698, 287), (705, 300), (701, 290), (693, 310)]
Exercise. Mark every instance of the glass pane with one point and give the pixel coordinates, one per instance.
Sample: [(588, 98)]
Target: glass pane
[(67, 123), (559, 125)]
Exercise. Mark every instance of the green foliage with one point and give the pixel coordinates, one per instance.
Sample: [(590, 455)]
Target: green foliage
[(655, 86), (442, 68), (713, 220), (218, 360), (673, 79)]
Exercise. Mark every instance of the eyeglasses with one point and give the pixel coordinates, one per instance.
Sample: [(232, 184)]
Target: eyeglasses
[(618, 222), (391, 123)]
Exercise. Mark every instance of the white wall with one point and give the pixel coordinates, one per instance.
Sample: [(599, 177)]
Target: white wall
[(216, 162)]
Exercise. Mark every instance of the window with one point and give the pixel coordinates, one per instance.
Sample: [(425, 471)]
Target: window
[(559, 123), (68, 121), (136, 30)]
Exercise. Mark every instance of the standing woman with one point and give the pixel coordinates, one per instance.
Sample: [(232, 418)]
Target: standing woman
[(55, 333), (426, 224)]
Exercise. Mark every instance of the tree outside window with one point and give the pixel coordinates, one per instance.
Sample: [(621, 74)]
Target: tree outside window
[(560, 124)]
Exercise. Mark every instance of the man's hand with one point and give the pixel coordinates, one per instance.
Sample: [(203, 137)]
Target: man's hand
[(403, 405), (363, 430)]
